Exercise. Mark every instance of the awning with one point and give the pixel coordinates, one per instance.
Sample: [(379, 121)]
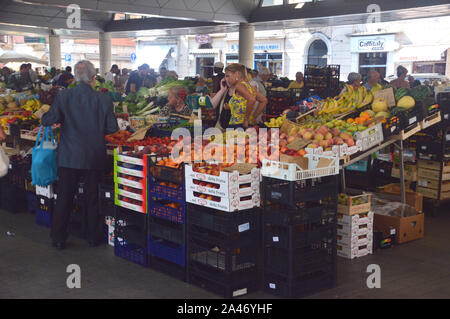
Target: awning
[(420, 53), (12, 56)]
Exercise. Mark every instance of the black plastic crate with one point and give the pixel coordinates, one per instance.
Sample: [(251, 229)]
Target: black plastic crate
[(312, 213), (300, 262), (434, 151), (169, 251), (131, 252), (287, 288), (221, 222), (165, 173), (167, 230), (45, 204), (131, 217), (131, 233), (222, 259), (291, 193), (301, 236), (391, 127), (443, 100), (227, 290), (12, 198), (106, 199), (382, 169), (168, 268), (411, 118)]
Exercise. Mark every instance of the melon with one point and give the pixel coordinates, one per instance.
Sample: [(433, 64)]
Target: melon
[(386, 115), (379, 105), (406, 102)]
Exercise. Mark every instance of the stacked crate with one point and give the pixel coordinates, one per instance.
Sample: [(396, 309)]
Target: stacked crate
[(166, 219), (12, 186), (44, 205), (107, 209), (433, 179), (322, 81), (223, 230), (130, 198), (299, 235)]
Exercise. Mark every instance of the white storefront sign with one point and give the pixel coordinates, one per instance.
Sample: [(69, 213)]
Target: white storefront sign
[(259, 46), (375, 43)]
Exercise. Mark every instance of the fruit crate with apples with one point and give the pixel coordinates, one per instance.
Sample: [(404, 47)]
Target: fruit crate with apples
[(225, 204), (204, 180), (370, 137), (308, 167), (130, 180), (351, 204)]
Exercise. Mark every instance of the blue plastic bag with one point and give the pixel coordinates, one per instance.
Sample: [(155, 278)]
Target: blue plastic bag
[(43, 164)]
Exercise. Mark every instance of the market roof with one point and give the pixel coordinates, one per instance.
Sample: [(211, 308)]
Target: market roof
[(181, 17)]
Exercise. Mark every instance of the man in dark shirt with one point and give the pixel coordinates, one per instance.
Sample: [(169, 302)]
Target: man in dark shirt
[(218, 70), (136, 79), (86, 116), (66, 78), (20, 80)]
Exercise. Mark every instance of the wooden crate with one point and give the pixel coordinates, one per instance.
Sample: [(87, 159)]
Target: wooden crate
[(431, 120), (423, 182), (431, 174), (351, 209), (433, 193), (434, 165)]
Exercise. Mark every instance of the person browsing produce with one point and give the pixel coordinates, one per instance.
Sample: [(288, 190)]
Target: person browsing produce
[(86, 116), (177, 102), (243, 97), (136, 79), (401, 82)]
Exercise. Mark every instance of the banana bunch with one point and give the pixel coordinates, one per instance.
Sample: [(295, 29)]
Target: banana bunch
[(278, 122), (350, 100), (32, 105)]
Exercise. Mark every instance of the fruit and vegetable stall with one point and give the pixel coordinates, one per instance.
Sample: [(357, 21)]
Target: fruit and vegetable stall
[(286, 208)]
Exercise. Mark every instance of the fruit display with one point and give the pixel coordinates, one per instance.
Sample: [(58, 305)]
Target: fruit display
[(276, 122), (350, 100), (343, 199)]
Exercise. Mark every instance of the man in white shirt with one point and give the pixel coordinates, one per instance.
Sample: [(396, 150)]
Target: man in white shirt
[(109, 76), (33, 75)]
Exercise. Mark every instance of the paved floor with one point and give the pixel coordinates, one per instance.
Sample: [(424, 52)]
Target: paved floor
[(30, 268)]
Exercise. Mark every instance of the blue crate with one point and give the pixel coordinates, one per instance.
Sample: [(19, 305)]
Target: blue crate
[(167, 250), (167, 192), (360, 166), (32, 202), (171, 214), (43, 218), (131, 252)]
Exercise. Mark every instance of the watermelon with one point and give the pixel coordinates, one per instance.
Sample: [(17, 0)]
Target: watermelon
[(398, 110), (421, 92), (401, 93)]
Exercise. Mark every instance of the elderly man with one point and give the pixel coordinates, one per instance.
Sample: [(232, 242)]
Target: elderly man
[(373, 80), (262, 78), (86, 116)]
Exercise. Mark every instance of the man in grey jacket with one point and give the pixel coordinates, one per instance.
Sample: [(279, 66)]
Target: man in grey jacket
[(85, 116)]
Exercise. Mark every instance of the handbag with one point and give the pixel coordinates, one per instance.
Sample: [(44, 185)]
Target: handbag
[(4, 162), (43, 163)]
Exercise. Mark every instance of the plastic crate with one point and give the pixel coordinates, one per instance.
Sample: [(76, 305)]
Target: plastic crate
[(297, 263), (221, 222), (45, 203), (370, 137), (165, 173), (43, 218), (382, 169), (131, 252), (292, 193), (293, 172), (106, 199), (360, 166), (167, 250), (443, 100), (164, 129), (32, 202), (288, 288), (167, 192), (158, 209), (131, 233), (392, 127), (168, 268), (411, 118), (166, 230), (276, 215)]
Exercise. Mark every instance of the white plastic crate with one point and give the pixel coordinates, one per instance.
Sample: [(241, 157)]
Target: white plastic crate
[(352, 230), (293, 172), (352, 241), (370, 137), (355, 251)]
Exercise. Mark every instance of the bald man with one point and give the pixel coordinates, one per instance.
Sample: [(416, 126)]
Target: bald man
[(373, 78)]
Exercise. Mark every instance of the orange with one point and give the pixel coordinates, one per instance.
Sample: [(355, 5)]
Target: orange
[(350, 120)]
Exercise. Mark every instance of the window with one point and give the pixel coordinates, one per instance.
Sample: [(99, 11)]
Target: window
[(317, 53), (119, 16), (268, 3), (372, 61)]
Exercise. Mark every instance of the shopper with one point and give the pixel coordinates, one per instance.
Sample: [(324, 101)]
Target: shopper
[(33, 74), (123, 79), (413, 82), (4, 76), (19, 81), (373, 78), (176, 102), (263, 78), (162, 74), (218, 77), (136, 79), (298, 83), (66, 77), (151, 79), (244, 97), (86, 116), (112, 74), (401, 82)]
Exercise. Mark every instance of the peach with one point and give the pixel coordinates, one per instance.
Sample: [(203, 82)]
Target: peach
[(318, 137), (330, 141), (293, 131), (323, 144), (283, 143), (308, 136), (350, 142), (291, 139), (335, 132), (328, 136)]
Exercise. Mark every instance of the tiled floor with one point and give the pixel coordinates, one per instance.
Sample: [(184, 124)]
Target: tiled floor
[(31, 268)]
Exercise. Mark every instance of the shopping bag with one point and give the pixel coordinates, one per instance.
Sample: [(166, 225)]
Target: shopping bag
[(4, 163), (43, 162)]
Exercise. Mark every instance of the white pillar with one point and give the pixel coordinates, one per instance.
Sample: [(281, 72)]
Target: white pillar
[(54, 43), (105, 52), (247, 45)]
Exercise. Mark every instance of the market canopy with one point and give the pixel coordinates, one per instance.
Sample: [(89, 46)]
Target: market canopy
[(12, 56)]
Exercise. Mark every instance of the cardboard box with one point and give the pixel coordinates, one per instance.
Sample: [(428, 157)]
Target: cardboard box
[(414, 199), (354, 252), (227, 184), (352, 241), (355, 220), (225, 204), (408, 225), (45, 191), (351, 230)]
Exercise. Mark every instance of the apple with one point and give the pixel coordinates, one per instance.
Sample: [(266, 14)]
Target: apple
[(350, 142), (283, 150), (303, 131), (293, 131), (290, 139), (338, 141), (318, 137), (283, 136), (335, 132), (312, 145), (323, 144), (330, 142), (308, 136), (328, 136)]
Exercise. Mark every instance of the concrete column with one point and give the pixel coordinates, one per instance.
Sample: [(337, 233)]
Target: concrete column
[(447, 71), (54, 43), (247, 45), (105, 52)]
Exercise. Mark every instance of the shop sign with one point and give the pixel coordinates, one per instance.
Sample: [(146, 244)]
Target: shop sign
[(203, 38), (373, 44), (259, 47)]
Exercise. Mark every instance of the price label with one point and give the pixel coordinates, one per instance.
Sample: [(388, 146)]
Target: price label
[(244, 227), (382, 171), (275, 239), (272, 286), (447, 137), (393, 232), (423, 183), (10, 166), (445, 116), (42, 201), (413, 120), (108, 195), (393, 128), (80, 190), (424, 148), (55, 196)]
